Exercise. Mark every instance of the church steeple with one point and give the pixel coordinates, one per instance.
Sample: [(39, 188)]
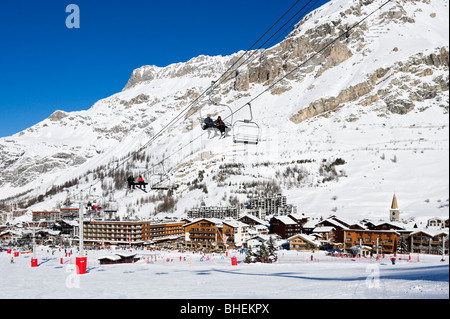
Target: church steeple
[(394, 203), (394, 213)]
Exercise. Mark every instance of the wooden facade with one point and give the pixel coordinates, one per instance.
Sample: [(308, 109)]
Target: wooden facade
[(337, 235), (284, 226), (252, 220), (202, 233), (163, 230), (387, 240), (428, 242), (210, 233), (302, 242)]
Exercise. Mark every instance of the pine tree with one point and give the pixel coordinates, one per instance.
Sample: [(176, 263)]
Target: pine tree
[(272, 251), (402, 245), (250, 255), (263, 254)]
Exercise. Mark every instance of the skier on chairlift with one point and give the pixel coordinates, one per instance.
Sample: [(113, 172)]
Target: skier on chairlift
[(221, 126), (141, 182), (208, 123), (131, 182)]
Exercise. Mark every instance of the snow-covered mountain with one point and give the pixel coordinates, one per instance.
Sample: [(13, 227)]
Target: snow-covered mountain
[(347, 128)]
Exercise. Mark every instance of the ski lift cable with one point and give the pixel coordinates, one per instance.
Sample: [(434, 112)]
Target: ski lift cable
[(216, 83), (220, 80), (250, 57), (273, 41), (314, 55), (286, 75), (289, 73), (260, 94)]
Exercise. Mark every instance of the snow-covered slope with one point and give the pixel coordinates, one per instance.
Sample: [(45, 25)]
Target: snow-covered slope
[(377, 99)]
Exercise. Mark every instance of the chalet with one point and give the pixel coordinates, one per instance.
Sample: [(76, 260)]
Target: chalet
[(309, 226), (337, 235), (202, 233), (214, 233), (258, 230), (428, 241), (385, 240), (257, 226), (257, 212), (284, 226), (385, 226), (299, 218), (8, 235), (118, 258), (325, 234), (235, 233), (303, 242), (252, 220), (436, 222), (47, 236), (256, 241), (332, 229)]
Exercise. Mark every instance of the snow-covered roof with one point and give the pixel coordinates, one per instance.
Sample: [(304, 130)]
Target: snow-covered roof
[(256, 219), (310, 224), (308, 238), (324, 229), (216, 221), (117, 256), (431, 232), (125, 254), (335, 223), (234, 223), (110, 257), (395, 224), (299, 216), (286, 220)]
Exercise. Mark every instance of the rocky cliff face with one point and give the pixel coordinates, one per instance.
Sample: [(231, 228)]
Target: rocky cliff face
[(399, 86), (403, 75)]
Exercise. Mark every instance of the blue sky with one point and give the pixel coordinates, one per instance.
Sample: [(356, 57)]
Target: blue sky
[(44, 66)]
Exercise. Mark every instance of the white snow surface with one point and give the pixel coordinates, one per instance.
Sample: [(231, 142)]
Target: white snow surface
[(294, 276)]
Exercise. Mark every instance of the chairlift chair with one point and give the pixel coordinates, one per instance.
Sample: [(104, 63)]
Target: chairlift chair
[(138, 171), (202, 117), (159, 180), (160, 184), (247, 131)]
